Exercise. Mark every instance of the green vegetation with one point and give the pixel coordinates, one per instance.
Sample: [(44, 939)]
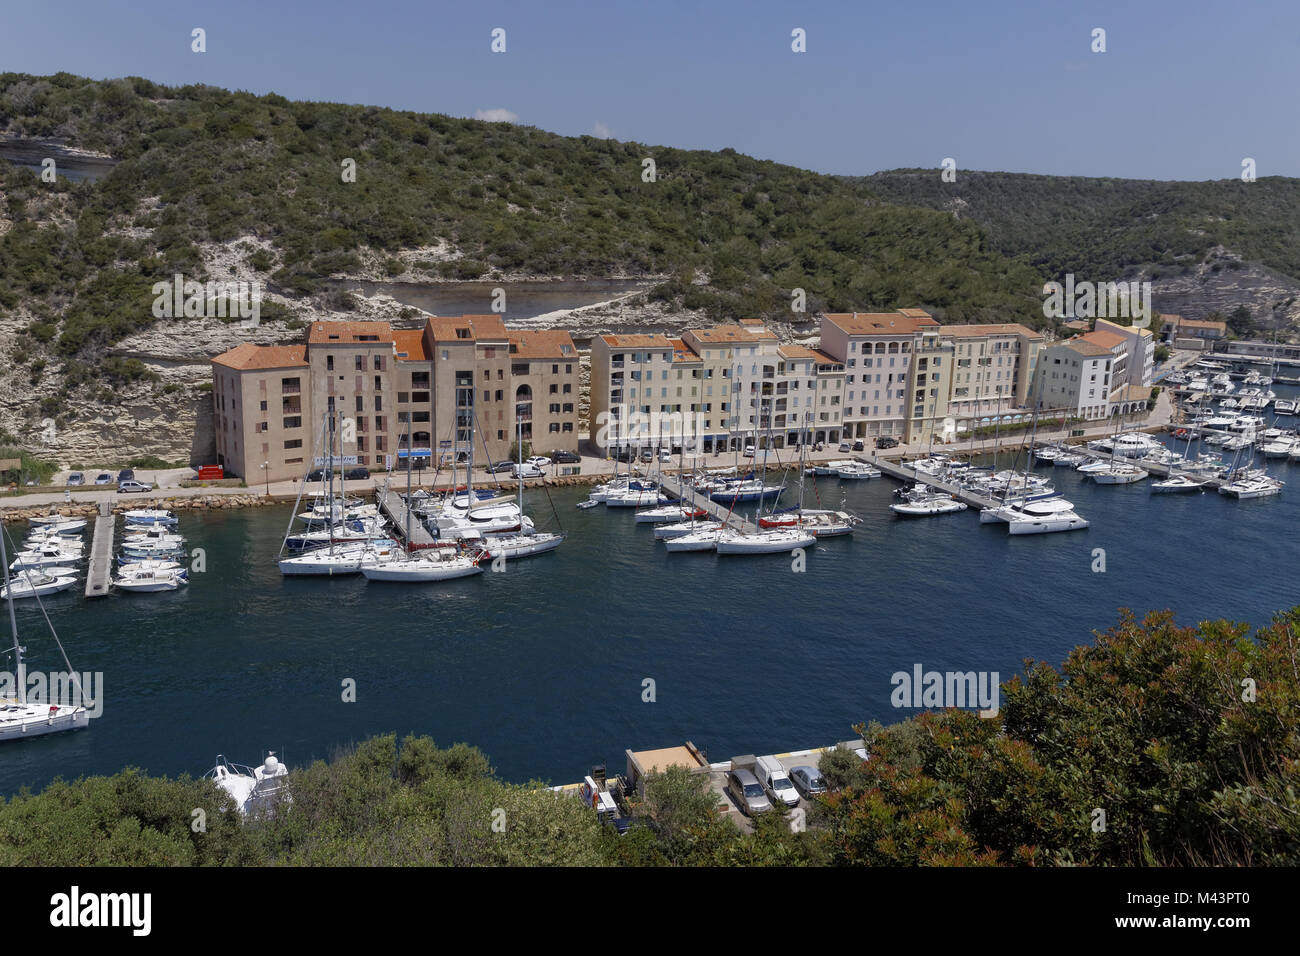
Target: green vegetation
[(1183, 737), (1103, 229), (200, 164), (31, 469)]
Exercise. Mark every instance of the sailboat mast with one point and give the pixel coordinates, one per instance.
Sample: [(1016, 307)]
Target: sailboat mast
[(19, 669), (409, 463)]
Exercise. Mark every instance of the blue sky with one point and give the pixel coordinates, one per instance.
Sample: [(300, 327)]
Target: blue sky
[(1183, 91)]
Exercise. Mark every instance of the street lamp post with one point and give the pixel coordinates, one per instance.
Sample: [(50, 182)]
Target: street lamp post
[(266, 473)]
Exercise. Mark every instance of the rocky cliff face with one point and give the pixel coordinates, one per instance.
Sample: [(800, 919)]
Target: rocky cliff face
[(1221, 283)]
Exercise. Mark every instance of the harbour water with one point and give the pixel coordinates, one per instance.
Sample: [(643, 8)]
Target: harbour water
[(543, 666)]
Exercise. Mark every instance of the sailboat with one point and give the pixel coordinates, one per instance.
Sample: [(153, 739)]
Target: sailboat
[(20, 718), (329, 555), (522, 544), (430, 564), (769, 540)]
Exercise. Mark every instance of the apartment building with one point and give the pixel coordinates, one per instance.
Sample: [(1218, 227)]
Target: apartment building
[(876, 350), (1140, 353), (544, 379), (629, 389), (994, 368), (393, 389), (261, 411), (1191, 333), (1074, 377), (929, 385)]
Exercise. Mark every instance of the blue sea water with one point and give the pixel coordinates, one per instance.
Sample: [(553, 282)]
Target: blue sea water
[(543, 667)]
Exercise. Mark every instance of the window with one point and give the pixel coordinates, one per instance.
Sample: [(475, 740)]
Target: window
[(263, 406), (361, 366), (379, 423), (379, 403), (403, 398), (379, 363), (361, 404), (294, 422), (568, 427), (329, 363), (379, 383), (568, 389), (293, 443), (553, 427)]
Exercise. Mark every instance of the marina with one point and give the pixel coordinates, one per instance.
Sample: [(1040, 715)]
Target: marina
[(101, 554)]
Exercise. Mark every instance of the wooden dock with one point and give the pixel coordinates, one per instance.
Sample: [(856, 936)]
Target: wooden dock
[(101, 552), (678, 489), (395, 507)]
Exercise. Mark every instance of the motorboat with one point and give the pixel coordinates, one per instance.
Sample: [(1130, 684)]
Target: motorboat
[(1177, 484), (828, 469), (678, 528), (150, 516), (1118, 473), (58, 524), (669, 513), (920, 504), (134, 577), (28, 584), (1278, 448), (254, 790), (1252, 486), (1044, 517), (857, 471), (46, 556), (1285, 406)]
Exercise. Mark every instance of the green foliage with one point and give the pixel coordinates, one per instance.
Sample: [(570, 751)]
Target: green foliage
[(511, 198), (1104, 229)]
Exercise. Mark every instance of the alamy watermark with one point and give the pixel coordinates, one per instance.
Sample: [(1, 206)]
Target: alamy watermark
[(61, 690), (1102, 300), (922, 688), (191, 299)]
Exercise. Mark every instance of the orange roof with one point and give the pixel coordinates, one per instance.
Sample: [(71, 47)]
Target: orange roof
[(1201, 324), (637, 341), (542, 343), (328, 332), (248, 356), (881, 323), (409, 345), (751, 331), (1081, 345), (1107, 340), (683, 352), (1008, 328), (825, 358), (453, 329), (796, 352)]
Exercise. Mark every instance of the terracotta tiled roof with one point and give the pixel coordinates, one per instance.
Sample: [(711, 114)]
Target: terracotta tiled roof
[(796, 352), (542, 344), (731, 334), (479, 328), (637, 341), (327, 332), (1081, 345), (247, 356), (1009, 328), (411, 342), (881, 323), (1107, 340), (683, 352)]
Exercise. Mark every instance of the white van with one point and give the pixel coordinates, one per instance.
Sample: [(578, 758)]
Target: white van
[(776, 781)]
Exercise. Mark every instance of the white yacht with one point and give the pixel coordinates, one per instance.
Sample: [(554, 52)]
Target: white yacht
[(46, 556), (1251, 486), (252, 789), (29, 584), (147, 579), (927, 503), (340, 559), (857, 471), (765, 541), (703, 539), (666, 514), (1177, 484), (430, 564), (1044, 517), (1118, 473)]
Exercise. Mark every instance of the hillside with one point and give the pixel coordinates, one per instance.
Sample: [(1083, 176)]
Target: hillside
[(218, 184), (1206, 246)]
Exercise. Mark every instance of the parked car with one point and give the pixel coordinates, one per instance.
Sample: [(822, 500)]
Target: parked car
[(846, 446), (808, 781), (859, 446), (103, 478), (126, 474), (500, 467), (320, 474), (127, 487), (884, 441), (665, 456), (749, 451), (776, 781), (526, 470), (565, 457), (356, 474), (539, 461), (76, 478), (747, 792), (647, 456)]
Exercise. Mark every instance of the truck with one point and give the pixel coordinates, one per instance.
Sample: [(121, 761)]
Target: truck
[(776, 781)]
